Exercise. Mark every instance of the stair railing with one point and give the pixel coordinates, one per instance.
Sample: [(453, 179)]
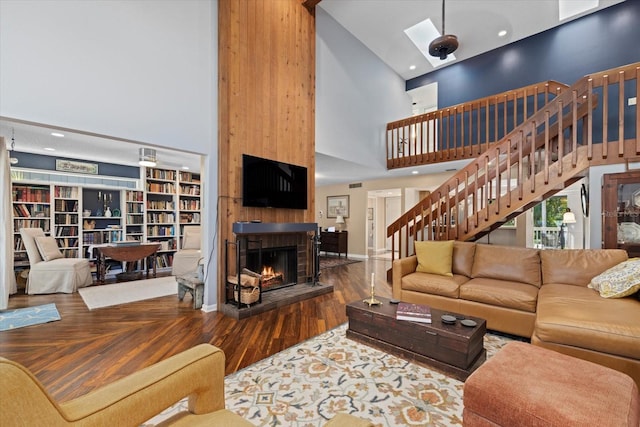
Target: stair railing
[(588, 124), (464, 131)]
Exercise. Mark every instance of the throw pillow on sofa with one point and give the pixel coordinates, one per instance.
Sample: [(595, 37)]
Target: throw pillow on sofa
[(619, 281), (435, 257)]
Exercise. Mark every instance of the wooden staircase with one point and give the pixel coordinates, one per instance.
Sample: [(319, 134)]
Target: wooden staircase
[(585, 125)]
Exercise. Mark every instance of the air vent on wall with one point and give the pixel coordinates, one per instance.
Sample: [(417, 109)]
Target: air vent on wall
[(356, 185)]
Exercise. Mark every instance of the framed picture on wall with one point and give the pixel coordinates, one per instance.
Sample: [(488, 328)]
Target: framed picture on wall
[(337, 205)]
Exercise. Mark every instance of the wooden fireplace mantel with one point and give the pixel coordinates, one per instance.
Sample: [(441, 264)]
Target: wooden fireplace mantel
[(240, 228)]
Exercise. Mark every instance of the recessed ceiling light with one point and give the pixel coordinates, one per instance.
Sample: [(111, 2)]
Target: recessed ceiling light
[(185, 168), (502, 33), (414, 172), (412, 67), (57, 134), (49, 149)]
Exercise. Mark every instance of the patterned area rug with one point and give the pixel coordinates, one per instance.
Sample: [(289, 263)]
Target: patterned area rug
[(330, 262), (309, 383), (21, 317)]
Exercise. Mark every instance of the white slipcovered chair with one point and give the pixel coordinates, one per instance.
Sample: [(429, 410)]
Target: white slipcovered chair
[(187, 258), (49, 271)]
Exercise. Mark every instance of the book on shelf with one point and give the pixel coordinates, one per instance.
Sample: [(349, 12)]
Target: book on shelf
[(413, 312)]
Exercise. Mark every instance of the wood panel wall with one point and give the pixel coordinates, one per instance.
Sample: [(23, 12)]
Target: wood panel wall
[(266, 60)]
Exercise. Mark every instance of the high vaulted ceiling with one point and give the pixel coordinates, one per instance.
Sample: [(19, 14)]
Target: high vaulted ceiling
[(379, 25)]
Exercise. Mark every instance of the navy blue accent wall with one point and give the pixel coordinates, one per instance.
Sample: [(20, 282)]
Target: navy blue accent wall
[(39, 161), (605, 39)]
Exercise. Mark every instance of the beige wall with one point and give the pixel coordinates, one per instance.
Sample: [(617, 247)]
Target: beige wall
[(356, 224)]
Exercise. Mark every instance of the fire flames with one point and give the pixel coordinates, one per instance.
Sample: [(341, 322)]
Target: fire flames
[(267, 272), (270, 278)]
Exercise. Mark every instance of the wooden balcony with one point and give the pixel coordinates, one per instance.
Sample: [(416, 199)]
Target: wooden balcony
[(466, 130)]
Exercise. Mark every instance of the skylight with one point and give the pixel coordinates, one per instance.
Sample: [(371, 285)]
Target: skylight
[(421, 35), (570, 8)]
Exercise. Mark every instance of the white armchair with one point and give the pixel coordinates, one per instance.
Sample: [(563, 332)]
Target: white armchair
[(186, 259), (49, 271)]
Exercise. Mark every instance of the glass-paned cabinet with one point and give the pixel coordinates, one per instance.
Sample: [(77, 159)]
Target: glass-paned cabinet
[(621, 212)]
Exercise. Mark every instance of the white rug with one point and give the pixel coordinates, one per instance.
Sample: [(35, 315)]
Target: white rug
[(125, 292)]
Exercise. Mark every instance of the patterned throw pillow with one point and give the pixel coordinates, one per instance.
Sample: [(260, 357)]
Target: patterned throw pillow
[(619, 281), (435, 257)]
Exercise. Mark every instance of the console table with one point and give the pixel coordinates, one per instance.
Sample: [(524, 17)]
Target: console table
[(126, 253), (334, 242)]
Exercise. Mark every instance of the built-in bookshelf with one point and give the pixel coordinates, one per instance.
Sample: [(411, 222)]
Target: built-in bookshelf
[(101, 219), (161, 213), (31, 208), (134, 215), (81, 216), (66, 223), (189, 199)]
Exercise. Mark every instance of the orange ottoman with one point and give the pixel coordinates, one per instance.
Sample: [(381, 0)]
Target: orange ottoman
[(525, 385)]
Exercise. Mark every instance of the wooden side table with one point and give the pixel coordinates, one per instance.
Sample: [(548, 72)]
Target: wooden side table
[(334, 242), (126, 253)]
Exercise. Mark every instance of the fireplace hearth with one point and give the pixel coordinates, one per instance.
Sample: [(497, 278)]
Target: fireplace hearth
[(283, 255)]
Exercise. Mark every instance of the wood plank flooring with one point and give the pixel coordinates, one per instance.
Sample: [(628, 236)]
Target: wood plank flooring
[(88, 349)]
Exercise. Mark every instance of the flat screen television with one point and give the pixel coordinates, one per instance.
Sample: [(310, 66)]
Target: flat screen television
[(272, 184)]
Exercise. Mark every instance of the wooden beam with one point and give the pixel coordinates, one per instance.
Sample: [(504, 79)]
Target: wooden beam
[(310, 4)]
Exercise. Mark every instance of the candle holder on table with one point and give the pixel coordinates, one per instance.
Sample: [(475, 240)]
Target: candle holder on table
[(372, 300)]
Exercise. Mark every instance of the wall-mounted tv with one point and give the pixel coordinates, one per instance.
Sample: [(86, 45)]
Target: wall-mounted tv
[(272, 184)]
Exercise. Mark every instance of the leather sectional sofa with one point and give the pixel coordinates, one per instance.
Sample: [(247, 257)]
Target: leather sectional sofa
[(538, 294)]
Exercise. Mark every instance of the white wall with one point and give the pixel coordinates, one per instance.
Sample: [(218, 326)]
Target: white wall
[(139, 70), (356, 96), (133, 69)]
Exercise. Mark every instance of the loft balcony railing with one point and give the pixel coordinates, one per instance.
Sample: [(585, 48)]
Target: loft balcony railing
[(464, 131), (588, 124)]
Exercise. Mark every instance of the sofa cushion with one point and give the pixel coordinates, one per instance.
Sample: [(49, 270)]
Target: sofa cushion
[(501, 293), (48, 248), (619, 281), (446, 286), (463, 253), (435, 257), (577, 266), (507, 263), (578, 316)]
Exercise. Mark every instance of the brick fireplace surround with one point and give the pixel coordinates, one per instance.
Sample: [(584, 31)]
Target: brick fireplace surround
[(276, 235)]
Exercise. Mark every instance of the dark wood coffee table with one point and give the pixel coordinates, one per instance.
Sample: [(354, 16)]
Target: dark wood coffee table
[(456, 350)]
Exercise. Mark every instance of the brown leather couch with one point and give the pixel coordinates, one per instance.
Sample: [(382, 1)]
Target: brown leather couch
[(538, 294)]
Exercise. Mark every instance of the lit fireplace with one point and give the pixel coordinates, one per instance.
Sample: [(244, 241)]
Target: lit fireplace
[(270, 278), (277, 266)]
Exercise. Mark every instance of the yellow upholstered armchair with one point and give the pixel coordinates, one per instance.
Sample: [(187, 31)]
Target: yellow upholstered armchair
[(197, 373), (130, 401)]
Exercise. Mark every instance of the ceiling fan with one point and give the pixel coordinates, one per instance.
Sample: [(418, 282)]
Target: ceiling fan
[(445, 44)]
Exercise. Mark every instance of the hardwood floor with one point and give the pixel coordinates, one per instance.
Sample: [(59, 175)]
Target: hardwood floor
[(88, 349)]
